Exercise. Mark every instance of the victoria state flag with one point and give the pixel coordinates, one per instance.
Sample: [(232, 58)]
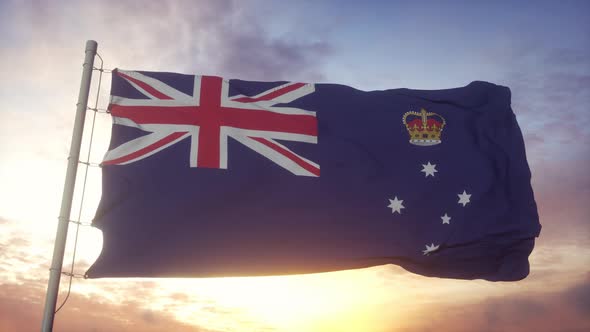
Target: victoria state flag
[(209, 177)]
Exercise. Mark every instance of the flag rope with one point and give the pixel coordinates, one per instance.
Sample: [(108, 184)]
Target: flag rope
[(69, 186), (81, 223), (88, 164), (101, 69), (98, 110)]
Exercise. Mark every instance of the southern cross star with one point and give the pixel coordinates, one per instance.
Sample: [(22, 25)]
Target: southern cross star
[(430, 248), (396, 205), (464, 198), (429, 169), (446, 219)]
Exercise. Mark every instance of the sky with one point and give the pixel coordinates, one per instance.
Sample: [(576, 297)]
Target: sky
[(540, 49)]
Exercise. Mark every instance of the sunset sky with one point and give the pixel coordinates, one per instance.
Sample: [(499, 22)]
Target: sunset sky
[(540, 49)]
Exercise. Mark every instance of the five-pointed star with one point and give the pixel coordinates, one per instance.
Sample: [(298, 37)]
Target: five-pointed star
[(464, 198), (396, 205), (429, 169), (446, 219), (430, 248)]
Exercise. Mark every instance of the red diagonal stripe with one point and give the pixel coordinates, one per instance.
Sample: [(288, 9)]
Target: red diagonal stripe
[(298, 160), (145, 86), (145, 150), (272, 94)]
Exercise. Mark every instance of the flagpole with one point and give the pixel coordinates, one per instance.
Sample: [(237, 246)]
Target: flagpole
[(68, 193)]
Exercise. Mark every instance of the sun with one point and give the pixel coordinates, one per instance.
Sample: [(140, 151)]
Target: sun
[(336, 301)]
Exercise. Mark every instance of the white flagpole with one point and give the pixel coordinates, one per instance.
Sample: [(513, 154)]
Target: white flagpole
[(68, 193)]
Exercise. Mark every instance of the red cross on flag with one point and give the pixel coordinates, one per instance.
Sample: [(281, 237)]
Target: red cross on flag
[(208, 117)]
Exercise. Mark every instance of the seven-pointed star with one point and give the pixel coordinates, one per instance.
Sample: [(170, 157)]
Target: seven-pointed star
[(396, 205), (429, 169), (464, 198), (430, 248), (446, 219)]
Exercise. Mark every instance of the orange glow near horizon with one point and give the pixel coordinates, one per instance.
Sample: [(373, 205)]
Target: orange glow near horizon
[(377, 46)]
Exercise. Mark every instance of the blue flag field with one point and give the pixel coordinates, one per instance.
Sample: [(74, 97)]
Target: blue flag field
[(208, 177)]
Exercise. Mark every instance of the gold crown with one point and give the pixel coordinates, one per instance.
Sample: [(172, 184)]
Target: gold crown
[(425, 128)]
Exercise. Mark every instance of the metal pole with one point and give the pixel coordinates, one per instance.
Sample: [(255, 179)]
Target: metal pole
[(68, 193)]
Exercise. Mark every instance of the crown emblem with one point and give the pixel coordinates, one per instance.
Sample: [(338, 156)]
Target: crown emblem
[(424, 127)]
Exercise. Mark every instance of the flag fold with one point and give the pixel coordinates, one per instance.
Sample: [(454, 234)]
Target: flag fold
[(208, 177)]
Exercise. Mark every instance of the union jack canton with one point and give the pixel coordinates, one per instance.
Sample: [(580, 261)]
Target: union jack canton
[(209, 115)]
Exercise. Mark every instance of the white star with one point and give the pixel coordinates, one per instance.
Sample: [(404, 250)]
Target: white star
[(396, 205), (464, 198), (430, 248), (429, 169), (446, 219)]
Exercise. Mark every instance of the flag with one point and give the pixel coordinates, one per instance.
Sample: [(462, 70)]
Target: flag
[(209, 177)]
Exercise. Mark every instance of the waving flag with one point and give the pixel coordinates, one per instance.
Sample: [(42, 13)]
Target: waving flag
[(208, 116), (211, 177)]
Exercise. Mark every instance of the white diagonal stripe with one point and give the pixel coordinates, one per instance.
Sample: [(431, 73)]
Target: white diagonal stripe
[(268, 105), (283, 98), (139, 143), (276, 156), (153, 127), (156, 84), (122, 101), (271, 135)]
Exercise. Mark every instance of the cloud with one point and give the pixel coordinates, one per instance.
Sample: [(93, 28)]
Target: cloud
[(253, 56), (523, 311), (550, 94), (209, 37), (512, 312), (21, 310), (225, 38), (550, 97), (579, 297), (561, 191), (42, 59)]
